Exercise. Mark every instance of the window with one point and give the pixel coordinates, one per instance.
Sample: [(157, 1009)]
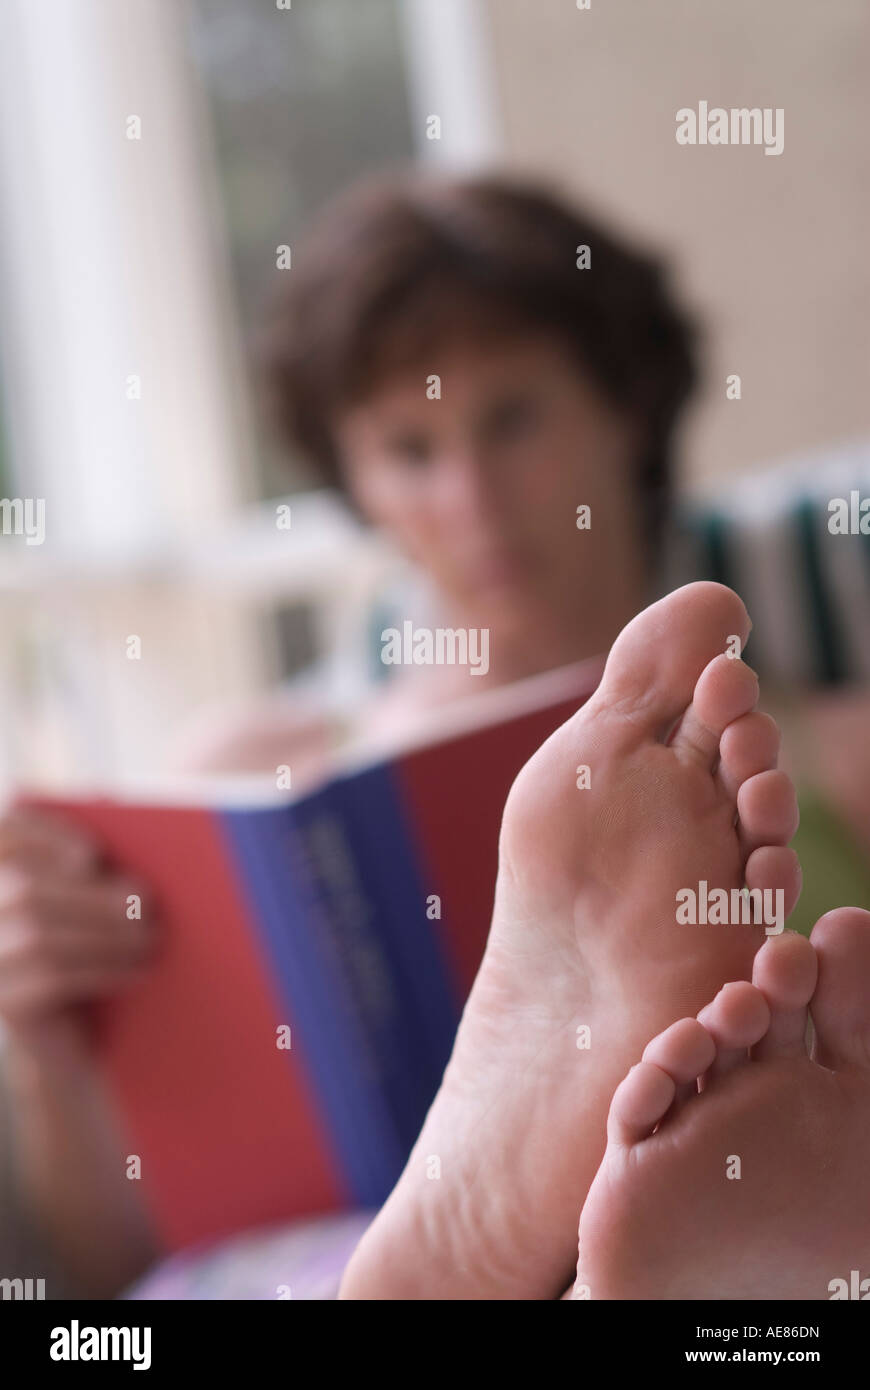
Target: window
[(301, 102)]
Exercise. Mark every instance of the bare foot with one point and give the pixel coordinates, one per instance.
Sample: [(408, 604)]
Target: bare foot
[(756, 1187), (586, 958)]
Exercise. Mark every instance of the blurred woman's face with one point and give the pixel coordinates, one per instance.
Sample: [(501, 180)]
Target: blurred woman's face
[(480, 486)]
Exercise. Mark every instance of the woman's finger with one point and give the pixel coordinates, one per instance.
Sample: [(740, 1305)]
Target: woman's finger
[(37, 841)]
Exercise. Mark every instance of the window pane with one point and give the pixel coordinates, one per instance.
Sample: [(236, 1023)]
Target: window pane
[(302, 101)]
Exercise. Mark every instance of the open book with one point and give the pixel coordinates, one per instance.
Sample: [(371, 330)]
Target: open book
[(278, 1057)]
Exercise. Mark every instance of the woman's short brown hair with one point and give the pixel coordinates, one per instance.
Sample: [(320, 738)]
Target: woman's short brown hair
[(507, 252)]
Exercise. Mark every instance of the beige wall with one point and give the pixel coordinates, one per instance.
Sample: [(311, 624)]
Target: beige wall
[(774, 251)]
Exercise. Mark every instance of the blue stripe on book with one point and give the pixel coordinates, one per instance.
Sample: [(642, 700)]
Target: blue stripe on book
[(392, 875), (301, 946), (357, 890)]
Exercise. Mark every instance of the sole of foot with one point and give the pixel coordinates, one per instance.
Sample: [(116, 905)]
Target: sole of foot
[(737, 1157), (664, 781)]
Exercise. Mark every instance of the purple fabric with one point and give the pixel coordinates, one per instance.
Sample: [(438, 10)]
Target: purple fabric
[(302, 1261)]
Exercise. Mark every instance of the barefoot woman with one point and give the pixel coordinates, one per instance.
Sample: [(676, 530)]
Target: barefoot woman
[(559, 386)]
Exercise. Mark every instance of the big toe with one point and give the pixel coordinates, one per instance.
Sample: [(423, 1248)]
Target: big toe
[(656, 661), (840, 1007)]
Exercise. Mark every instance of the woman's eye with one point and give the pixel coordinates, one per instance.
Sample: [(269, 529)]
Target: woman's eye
[(411, 451), (513, 419)]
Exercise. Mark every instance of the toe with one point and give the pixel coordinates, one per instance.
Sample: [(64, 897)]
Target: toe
[(726, 690), (840, 1007), (737, 1018), (767, 810), (777, 868), (655, 662), (638, 1104), (673, 1060), (785, 971), (684, 1051), (748, 746)]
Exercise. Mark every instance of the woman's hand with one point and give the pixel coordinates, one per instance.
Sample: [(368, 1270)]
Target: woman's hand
[(65, 937)]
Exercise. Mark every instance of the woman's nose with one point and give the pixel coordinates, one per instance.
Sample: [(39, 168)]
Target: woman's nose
[(469, 486)]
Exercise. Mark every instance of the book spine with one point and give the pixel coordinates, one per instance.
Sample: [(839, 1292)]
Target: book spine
[(391, 867), (306, 957), (362, 858)]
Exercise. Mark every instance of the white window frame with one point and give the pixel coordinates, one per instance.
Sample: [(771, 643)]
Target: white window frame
[(450, 75)]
